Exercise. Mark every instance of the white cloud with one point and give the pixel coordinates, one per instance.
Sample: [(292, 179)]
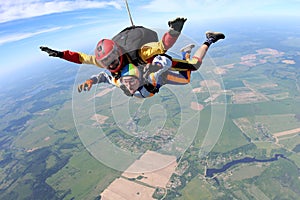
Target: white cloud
[(21, 36), (13, 10)]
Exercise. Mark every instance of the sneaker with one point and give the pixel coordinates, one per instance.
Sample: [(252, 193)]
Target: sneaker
[(214, 36), (188, 48)]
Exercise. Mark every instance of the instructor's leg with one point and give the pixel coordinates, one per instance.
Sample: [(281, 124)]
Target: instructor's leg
[(211, 37)]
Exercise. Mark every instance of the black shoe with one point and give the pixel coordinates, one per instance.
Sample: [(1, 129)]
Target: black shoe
[(214, 36)]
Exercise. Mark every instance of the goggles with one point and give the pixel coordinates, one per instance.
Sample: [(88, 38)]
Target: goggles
[(111, 60)]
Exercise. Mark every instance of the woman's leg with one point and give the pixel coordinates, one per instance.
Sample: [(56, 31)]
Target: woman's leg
[(177, 78)]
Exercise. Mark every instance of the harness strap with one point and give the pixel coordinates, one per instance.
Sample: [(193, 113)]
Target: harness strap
[(151, 88)]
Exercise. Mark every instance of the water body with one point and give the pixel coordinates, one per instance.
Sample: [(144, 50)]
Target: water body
[(212, 171)]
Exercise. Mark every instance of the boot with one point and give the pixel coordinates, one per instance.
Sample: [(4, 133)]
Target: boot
[(214, 36)]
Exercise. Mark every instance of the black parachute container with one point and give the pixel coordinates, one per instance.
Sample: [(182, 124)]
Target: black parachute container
[(132, 38)]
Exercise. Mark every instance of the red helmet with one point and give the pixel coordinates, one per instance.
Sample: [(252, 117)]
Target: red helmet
[(109, 55)]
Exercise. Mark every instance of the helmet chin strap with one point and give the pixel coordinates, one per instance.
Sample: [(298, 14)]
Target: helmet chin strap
[(115, 64)]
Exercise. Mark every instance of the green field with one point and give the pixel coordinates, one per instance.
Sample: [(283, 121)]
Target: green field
[(197, 189), (229, 134), (278, 123), (247, 171), (268, 147), (290, 141), (83, 177)]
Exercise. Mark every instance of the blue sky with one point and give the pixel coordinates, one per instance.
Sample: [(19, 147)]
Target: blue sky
[(78, 24)]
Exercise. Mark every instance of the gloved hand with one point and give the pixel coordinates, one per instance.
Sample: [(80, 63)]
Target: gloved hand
[(86, 86), (177, 24), (52, 52), (147, 70)]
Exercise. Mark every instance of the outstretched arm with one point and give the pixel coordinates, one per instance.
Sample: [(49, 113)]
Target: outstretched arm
[(95, 79), (102, 77), (67, 55), (75, 57)]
